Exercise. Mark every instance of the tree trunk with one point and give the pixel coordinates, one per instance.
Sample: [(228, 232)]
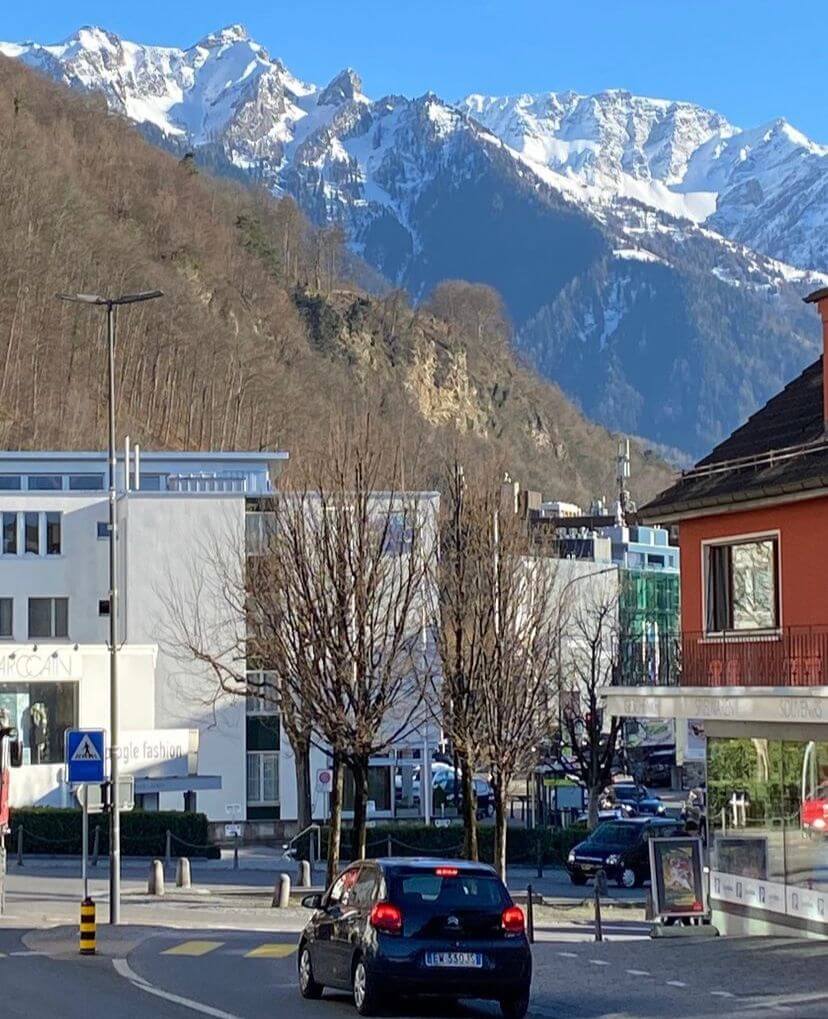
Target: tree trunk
[(469, 812), (301, 754), (335, 835), (359, 770), (594, 797), (499, 788)]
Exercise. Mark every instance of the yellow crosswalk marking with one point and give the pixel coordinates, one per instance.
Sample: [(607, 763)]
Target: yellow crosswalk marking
[(193, 948), (271, 952)]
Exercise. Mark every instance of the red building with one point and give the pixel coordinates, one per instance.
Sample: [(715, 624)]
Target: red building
[(752, 657)]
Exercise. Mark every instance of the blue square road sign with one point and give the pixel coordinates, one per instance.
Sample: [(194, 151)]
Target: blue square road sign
[(85, 756)]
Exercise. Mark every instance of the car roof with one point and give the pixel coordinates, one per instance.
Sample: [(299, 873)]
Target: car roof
[(428, 863)]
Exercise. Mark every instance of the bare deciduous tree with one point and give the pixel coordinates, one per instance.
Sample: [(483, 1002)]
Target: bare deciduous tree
[(588, 662), (520, 642)]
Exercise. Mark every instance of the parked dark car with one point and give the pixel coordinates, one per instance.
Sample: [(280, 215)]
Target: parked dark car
[(633, 796), (448, 790), (621, 849), (394, 927)]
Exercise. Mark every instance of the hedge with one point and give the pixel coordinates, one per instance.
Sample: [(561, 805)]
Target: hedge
[(57, 831), (423, 840)]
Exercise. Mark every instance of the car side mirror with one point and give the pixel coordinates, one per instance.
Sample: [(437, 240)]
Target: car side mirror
[(313, 901)]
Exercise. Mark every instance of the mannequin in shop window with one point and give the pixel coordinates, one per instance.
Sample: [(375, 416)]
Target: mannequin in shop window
[(38, 731)]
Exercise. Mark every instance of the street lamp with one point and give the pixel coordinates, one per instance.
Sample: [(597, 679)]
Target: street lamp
[(110, 303)]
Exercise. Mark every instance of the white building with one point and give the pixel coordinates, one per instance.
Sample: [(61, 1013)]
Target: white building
[(187, 743), (183, 743)]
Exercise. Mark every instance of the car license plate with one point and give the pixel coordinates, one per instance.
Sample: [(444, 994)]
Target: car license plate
[(455, 960)]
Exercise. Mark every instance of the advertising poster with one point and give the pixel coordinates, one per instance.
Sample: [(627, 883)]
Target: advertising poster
[(676, 873)]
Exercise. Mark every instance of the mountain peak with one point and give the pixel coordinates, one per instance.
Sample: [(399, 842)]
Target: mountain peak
[(347, 85), (225, 36)]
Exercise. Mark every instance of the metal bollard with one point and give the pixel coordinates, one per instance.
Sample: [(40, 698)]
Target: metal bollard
[(235, 852), (530, 915), (182, 873), (168, 849), (155, 885), (87, 927), (304, 874), (281, 893), (96, 845), (20, 846)]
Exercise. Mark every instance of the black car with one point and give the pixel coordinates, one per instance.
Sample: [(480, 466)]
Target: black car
[(422, 927), (620, 848), (633, 797), (448, 790)]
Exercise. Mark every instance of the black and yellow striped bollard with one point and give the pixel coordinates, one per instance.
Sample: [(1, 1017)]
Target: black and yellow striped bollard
[(87, 927)]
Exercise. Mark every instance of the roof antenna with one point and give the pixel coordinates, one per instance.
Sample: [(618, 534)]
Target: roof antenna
[(624, 504)]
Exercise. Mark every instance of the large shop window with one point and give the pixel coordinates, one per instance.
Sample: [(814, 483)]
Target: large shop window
[(42, 712), (49, 618), (380, 778), (741, 586), (768, 810)]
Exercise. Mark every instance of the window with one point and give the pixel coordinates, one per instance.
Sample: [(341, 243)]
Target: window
[(86, 482), (6, 617), (10, 482), (259, 530), (262, 777), (41, 712), (9, 534), (103, 607), (53, 534), (343, 886), (262, 695), (742, 586), (45, 482), (49, 617), (31, 523), (151, 482), (103, 530), (362, 893)]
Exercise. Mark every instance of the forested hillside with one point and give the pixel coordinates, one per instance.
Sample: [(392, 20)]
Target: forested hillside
[(264, 333)]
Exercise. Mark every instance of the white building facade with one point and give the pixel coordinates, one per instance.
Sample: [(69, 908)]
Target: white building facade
[(186, 744)]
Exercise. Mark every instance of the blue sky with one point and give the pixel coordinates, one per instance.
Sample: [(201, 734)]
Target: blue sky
[(753, 60)]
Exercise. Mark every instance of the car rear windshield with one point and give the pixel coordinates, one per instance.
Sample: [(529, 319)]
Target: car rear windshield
[(612, 833), (460, 891)]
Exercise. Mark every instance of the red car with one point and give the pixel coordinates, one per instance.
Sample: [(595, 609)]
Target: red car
[(814, 811)]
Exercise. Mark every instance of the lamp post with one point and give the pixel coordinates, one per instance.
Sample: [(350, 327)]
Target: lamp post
[(110, 303)]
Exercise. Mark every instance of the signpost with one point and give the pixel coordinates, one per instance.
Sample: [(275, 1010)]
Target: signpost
[(85, 756)]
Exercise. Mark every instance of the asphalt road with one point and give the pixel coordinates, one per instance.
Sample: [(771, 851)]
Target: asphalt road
[(251, 975)]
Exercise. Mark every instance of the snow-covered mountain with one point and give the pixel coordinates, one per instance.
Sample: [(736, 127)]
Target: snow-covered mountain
[(629, 237), (766, 187)]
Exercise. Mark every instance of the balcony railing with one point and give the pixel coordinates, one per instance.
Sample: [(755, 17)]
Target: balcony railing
[(793, 657)]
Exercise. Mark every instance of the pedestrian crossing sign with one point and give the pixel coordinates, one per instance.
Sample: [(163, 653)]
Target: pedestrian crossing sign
[(85, 757)]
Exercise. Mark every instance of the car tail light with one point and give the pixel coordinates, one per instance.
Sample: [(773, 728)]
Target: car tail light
[(387, 917), (446, 872), (512, 920)]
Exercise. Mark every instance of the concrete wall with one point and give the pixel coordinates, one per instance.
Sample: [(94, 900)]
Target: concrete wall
[(178, 534)]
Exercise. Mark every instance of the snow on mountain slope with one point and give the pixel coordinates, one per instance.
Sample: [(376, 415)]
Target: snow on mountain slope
[(765, 187)]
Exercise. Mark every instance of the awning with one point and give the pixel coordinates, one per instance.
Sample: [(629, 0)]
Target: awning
[(184, 784)]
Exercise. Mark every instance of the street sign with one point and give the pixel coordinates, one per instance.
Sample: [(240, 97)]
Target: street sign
[(232, 831), (324, 780), (85, 756), (98, 796)]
